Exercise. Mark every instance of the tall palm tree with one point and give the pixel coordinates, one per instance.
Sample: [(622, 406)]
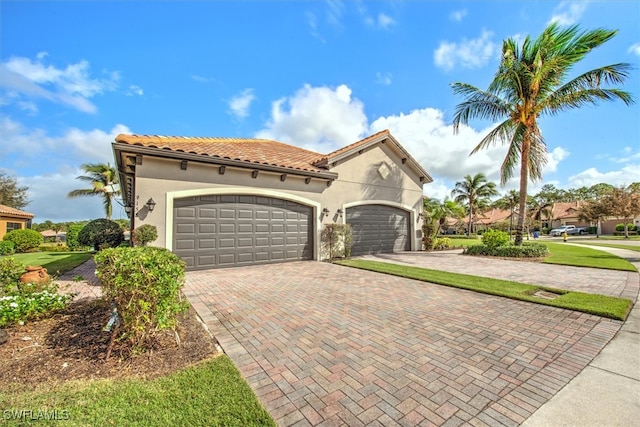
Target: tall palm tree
[(438, 212), (531, 82), (474, 191), (508, 202), (102, 177)]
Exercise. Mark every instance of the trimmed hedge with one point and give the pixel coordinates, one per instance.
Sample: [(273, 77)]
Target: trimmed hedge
[(25, 240), (531, 250)]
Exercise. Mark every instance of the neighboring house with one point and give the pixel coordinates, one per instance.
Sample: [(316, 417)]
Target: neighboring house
[(220, 202), (13, 219), (55, 236), (492, 218), (566, 213)]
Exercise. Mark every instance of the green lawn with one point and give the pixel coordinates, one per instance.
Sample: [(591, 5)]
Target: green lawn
[(606, 306), (56, 263), (585, 257), (212, 393)]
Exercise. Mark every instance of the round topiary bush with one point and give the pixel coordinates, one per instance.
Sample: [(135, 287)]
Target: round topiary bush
[(24, 240), (145, 234), (101, 234), (619, 227), (495, 238)]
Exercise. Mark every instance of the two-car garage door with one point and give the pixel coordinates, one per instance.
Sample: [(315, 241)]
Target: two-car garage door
[(232, 230)]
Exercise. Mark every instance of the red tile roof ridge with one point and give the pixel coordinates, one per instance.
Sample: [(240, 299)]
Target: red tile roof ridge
[(352, 146), (7, 210)]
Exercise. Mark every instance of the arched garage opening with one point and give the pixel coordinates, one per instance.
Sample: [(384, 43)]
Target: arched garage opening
[(379, 228), (229, 230)]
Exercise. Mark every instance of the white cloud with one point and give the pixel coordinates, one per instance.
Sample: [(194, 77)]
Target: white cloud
[(385, 21), (458, 15), (554, 157), (568, 12), (64, 154), (384, 78), (635, 49), (240, 103), (473, 53), (134, 90), (71, 85), (317, 118), (624, 176), (433, 144)]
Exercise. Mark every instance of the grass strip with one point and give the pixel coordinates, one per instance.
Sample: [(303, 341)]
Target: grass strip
[(609, 245), (56, 263), (600, 305), (578, 256), (211, 393)]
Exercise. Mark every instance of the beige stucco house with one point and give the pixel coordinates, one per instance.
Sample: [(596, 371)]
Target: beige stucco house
[(220, 202)]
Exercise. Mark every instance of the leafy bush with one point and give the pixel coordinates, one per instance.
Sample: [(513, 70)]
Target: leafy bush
[(441, 243), (19, 301), (620, 227), (144, 283), (59, 247), (72, 236), (145, 234), (10, 272), (428, 231), (631, 227), (336, 240), (7, 247), (101, 234), (462, 236), (495, 238), (545, 230), (531, 250), (25, 240)]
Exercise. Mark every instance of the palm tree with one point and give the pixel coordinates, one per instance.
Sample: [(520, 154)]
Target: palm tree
[(102, 178), (531, 82), (438, 212), (508, 202), (474, 191)]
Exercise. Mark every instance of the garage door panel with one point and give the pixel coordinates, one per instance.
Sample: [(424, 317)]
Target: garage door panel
[(378, 229), (228, 230)]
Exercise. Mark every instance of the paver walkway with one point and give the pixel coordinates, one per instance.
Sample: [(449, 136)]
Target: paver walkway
[(322, 344)]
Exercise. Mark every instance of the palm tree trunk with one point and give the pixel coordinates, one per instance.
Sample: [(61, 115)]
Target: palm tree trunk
[(470, 216), (524, 177)]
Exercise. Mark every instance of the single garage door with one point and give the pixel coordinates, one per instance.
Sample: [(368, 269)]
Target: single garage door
[(234, 230), (378, 229)]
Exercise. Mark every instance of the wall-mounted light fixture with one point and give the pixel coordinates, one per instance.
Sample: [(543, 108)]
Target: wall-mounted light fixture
[(339, 212), (127, 208), (325, 211), (151, 205), (420, 215)]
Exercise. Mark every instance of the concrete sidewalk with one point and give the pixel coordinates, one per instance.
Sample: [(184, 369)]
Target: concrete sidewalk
[(607, 391)]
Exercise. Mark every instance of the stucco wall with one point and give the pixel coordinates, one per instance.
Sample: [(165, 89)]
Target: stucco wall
[(3, 224), (362, 179)]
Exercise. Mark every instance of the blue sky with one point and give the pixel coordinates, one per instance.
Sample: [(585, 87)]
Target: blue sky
[(317, 74)]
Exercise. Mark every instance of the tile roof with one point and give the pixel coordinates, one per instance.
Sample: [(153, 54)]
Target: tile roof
[(6, 210), (250, 150), (565, 210), (492, 216), (324, 158)]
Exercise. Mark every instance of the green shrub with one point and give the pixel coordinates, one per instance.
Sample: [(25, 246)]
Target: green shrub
[(101, 234), (144, 283), (10, 272), (145, 234), (72, 236), (7, 247), (545, 230), (631, 227), (25, 240), (441, 243), (462, 236), (495, 238), (620, 227), (530, 250), (428, 231), (58, 247)]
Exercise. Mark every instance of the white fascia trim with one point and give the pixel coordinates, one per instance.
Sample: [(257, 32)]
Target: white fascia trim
[(412, 214), (172, 195)]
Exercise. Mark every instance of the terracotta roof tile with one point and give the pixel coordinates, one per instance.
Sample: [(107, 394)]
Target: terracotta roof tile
[(565, 210), (250, 150), (6, 210), (352, 146), (494, 215)]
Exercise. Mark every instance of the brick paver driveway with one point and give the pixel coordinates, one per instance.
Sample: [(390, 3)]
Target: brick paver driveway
[(322, 344)]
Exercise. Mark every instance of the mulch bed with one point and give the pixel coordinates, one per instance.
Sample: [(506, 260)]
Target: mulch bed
[(71, 345)]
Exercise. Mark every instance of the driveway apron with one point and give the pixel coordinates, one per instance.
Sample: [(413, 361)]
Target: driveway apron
[(322, 344)]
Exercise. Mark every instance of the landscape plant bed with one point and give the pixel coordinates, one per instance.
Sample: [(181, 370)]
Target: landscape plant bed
[(600, 305), (71, 345)]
